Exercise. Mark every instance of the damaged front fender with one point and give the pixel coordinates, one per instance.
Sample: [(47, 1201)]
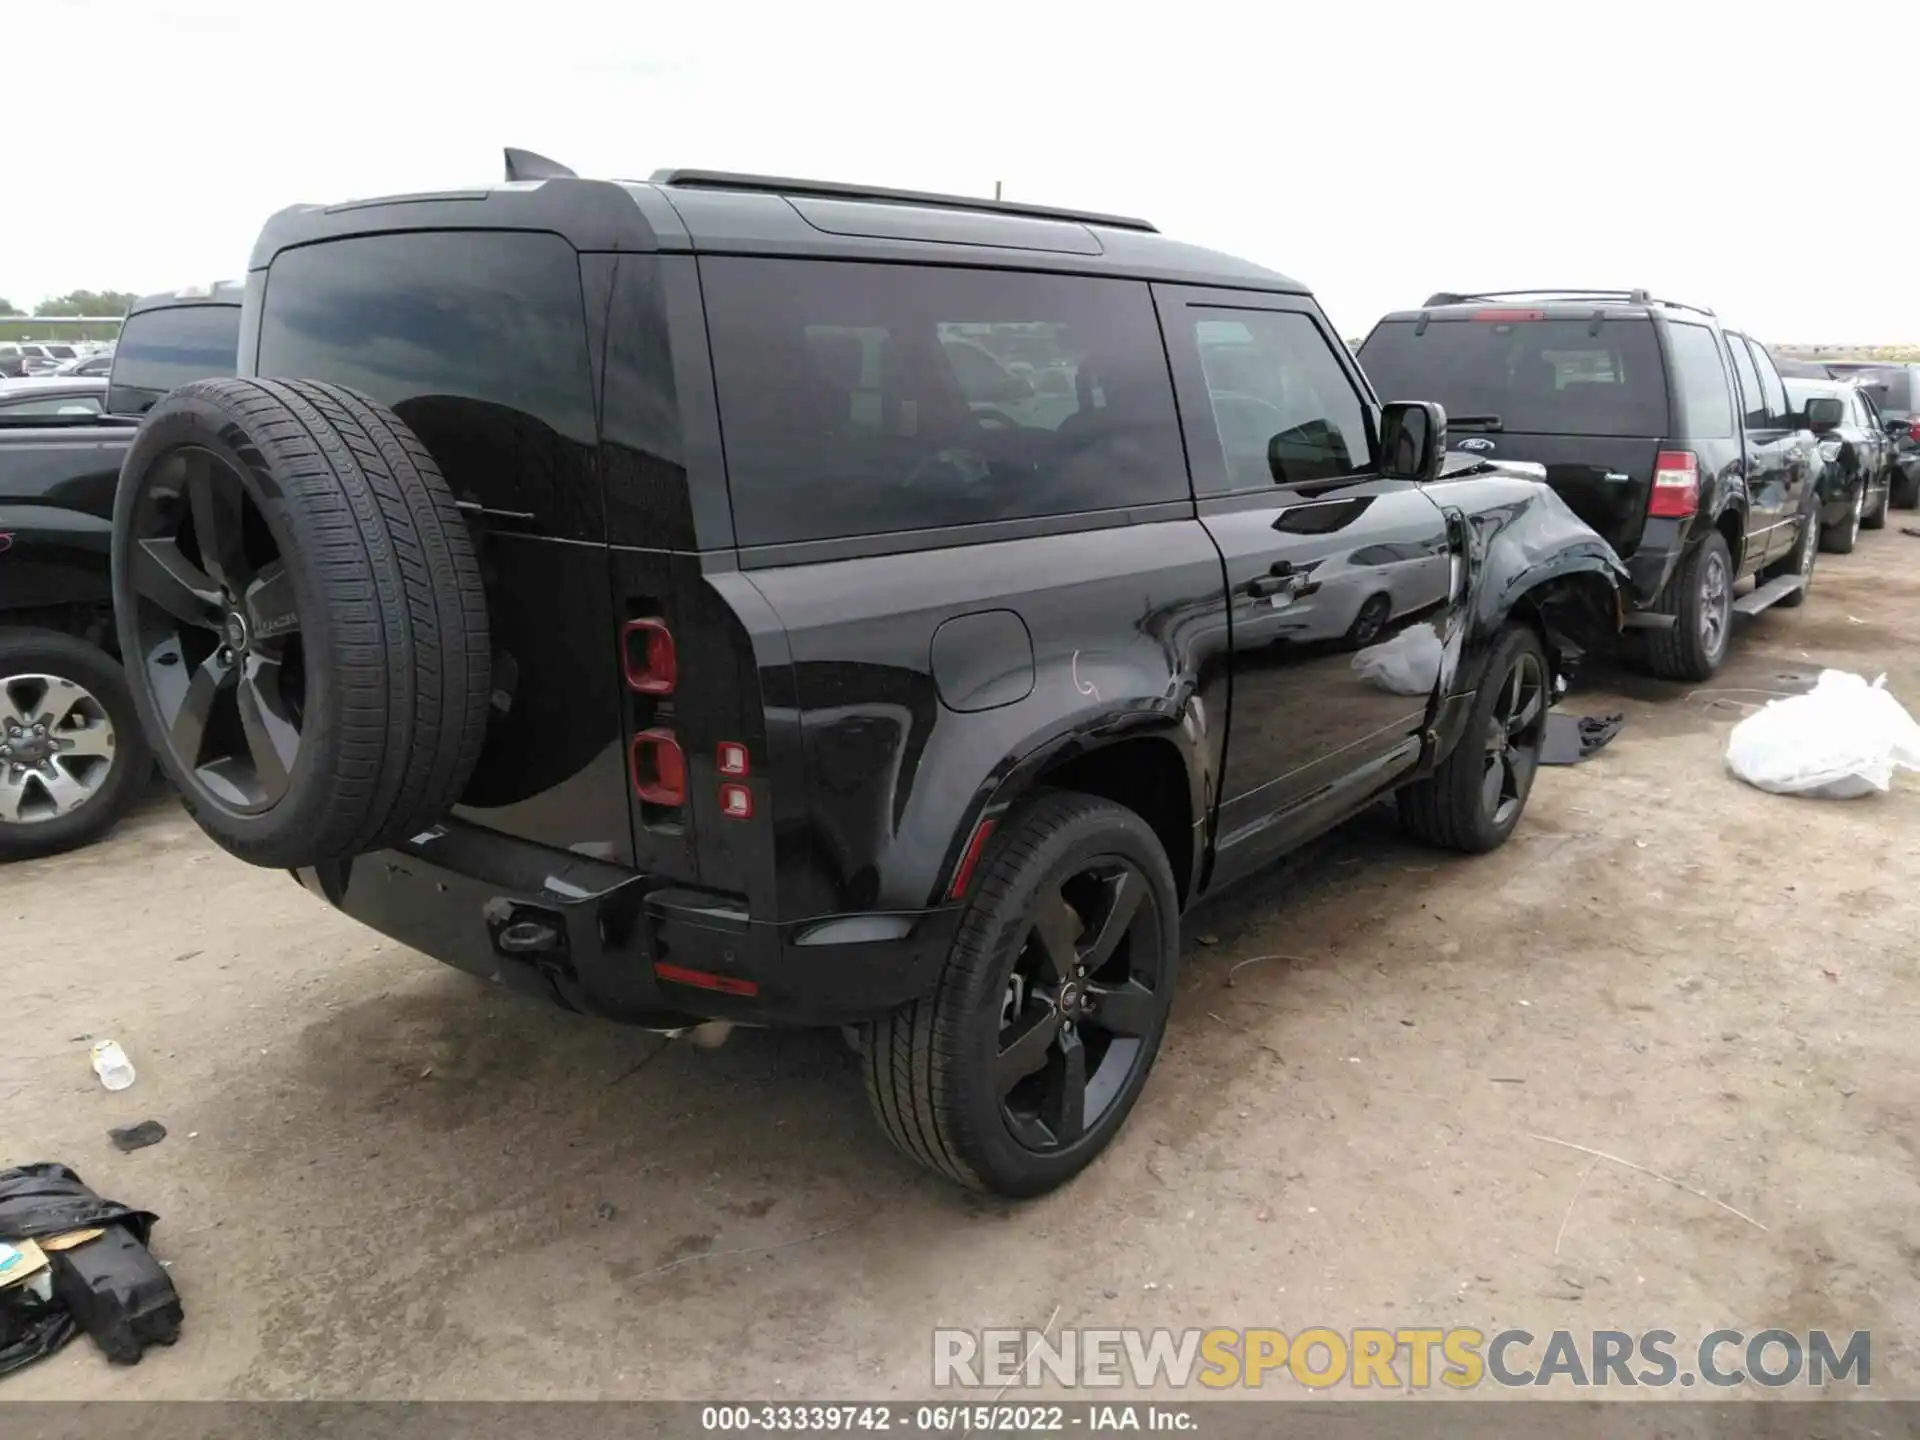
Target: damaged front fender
[(1527, 555)]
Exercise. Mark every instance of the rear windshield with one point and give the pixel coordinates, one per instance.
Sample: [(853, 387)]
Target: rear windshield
[(1891, 389), (161, 350), (477, 339), (859, 399), (1550, 377)]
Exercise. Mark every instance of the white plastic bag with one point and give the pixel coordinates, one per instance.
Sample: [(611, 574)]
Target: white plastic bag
[(1840, 740), (1407, 664)]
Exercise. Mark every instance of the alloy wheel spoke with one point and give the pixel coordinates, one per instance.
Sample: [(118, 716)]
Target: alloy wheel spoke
[(163, 575), (271, 612), (88, 742), (1033, 1034), (66, 792), (187, 726), (215, 502), (1128, 1009), (1493, 782), (1528, 714), (20, 701), (272, 738), (1057, 926), (13, 793), (1064, 1112), (1122, 897)]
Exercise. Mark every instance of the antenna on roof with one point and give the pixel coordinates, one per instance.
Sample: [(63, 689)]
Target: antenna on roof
[(525, 165)]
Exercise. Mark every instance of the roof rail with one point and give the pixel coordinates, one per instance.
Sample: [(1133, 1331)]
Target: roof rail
[(833, 190), (1630, 297)]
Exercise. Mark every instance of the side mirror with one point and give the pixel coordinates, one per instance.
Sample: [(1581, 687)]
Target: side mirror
[(1824, 413), (1413, 439)]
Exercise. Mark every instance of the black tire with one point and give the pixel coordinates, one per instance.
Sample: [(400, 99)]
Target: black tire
[(1840, 539), (1876, 518), (330, 640), (1451, 807), (60, 803), (1699, 595), (930, 1066), (1799, 560), (1904, 492)]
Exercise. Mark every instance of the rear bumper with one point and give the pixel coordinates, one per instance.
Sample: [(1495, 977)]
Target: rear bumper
[(1662, 543), (630, 947)]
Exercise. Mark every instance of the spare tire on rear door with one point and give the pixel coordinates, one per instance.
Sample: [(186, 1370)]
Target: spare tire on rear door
[(301, 615)]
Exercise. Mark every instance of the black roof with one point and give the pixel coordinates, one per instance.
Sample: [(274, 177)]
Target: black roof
[(1555, 304), (220, 292), (714, 212)]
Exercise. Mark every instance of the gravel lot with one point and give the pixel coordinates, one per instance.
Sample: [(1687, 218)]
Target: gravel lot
[(384, 1180)]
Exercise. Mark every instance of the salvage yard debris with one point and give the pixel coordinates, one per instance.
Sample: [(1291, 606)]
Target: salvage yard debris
[(1841, 740), (71, 1261)]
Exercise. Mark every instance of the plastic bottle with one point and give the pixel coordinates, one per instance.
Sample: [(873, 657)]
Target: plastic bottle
[(110, 1063)]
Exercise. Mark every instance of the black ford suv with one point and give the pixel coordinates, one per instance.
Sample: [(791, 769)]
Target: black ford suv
[(71, 756), (1671, 436), (735, 599)]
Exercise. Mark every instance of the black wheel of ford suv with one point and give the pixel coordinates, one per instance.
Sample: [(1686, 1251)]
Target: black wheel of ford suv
[(1026, 1059), (1476, 797), (1699, 595)]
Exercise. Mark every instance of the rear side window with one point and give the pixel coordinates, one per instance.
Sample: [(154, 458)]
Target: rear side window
[(1700, 380), (1550, 377), (1753, 404), (1892, 389), (161, 350), (858, 399), (1778, 411), (475, 338)]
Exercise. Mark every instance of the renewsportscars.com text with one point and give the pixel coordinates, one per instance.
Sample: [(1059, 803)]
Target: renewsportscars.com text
[(1405, 1358)]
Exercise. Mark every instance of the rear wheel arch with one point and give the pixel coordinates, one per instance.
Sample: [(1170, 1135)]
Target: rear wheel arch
[(1731, 522)]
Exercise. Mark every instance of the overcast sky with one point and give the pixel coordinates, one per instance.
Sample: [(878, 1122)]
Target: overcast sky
[(1377, 151)]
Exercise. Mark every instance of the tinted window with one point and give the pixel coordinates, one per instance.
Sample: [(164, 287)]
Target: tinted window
[(1700, 378), (1285, 411), (1753, 404), (859, 399), (161, 350), (1892, 389), (13, 406), (1551, 377), (59, 352), (476, 339), (1778, 411)]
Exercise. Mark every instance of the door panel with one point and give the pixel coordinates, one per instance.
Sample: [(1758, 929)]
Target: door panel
[(1336, 576), (1769, 520)]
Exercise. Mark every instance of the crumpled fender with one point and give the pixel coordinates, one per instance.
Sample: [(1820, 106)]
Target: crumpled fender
[(1526, 551)]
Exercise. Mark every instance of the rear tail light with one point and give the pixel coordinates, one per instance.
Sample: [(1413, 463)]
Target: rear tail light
[(736, 802), (731, 759), (659, 768), (652, 664), (1498, 316), (1913, 432), (1676, 484)]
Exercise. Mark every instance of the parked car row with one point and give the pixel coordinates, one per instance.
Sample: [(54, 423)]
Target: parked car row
[(1674, 436)]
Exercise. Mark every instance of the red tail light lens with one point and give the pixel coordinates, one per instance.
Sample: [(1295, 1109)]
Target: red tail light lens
[(658, 767), (1498, 316), (1676, 484), (706, 980), (731, 760), (653, 666), (736, 802), (1913, 432)]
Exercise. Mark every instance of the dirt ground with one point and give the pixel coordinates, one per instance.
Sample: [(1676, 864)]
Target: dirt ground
[(381, 1179)]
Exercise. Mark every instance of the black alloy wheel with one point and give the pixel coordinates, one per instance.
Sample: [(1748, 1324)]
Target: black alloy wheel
[(1513, 739), (219, 631), (1087, 987)]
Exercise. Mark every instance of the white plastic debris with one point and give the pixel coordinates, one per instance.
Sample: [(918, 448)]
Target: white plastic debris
[(111, 1064), (1842, 739)]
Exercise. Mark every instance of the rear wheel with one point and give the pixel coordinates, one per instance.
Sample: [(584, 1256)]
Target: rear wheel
[(1905, 490), (1024, 1062), (1699, 595), (71, 756), (1476, 797)]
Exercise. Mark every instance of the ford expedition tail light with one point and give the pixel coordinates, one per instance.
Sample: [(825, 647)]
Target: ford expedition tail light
[(736, 801), (659, 768), (1676, 484), (652, 664), (731, 760)]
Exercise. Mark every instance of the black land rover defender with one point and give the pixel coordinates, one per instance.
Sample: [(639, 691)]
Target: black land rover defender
[(726, 598)]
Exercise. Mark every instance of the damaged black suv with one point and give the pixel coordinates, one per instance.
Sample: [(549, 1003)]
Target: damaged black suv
[(728, 598)]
